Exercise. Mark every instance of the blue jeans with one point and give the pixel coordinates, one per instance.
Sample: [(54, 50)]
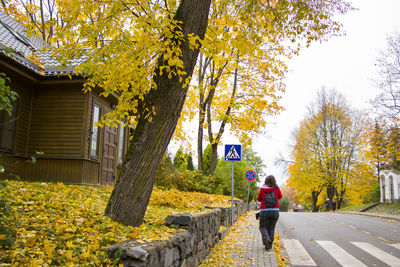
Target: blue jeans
[(268, 220)]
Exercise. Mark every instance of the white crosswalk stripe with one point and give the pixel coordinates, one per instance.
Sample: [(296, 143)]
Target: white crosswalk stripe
[(340, 255), (379, 254), (396, 245), (297, 253)]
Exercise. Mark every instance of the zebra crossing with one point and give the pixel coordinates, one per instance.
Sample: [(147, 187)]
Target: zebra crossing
[(298, 254)]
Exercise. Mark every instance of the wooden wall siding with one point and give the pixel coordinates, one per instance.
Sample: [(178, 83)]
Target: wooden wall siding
[(57, 122), (68, 171), (91, 172), (59, 170)]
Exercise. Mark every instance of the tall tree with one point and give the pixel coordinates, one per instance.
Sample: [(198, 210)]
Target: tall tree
[(306, 176), (223, 175), (240, 70), (375, 136), (179, 159), (132, 191), (329, 146)]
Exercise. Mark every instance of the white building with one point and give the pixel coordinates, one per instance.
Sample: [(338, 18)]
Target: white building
[(390, 186)]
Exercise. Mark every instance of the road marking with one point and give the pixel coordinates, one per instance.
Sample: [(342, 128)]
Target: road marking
[(379, 254), (297, 253), (352, 226), (396, 245), (340, 255), (383, 239)]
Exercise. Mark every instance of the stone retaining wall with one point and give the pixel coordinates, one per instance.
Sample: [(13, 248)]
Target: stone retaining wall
[(186, 248)]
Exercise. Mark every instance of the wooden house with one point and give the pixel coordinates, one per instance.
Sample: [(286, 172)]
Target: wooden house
[(51, 135)]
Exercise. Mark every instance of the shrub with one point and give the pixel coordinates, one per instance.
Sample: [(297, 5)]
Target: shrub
[(374, 195), (7, 217), (284, 204)]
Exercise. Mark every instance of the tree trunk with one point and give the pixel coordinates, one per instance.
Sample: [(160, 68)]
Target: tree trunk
[(132, 191), (314, 196), (215, 142), (330, 192), (214, 158)]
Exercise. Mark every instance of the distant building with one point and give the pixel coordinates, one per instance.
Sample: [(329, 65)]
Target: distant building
[(53, 120), (390, 186)]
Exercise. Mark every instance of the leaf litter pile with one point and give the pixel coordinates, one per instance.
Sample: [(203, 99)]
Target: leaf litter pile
[(55, 224)]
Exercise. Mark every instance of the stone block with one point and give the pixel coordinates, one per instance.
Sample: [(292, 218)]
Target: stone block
[(200, 245), (136, 253), (153, 259), (169, 257)]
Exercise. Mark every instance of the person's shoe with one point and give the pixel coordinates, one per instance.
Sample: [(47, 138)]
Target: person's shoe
[(267, 244)]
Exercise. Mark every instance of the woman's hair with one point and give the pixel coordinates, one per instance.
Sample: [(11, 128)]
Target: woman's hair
[(270, 181)]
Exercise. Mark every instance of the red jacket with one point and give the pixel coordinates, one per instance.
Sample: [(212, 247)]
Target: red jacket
[(261, 195)]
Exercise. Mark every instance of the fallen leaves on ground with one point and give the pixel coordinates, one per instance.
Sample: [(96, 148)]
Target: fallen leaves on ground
[(64, 225), (233, 245), (282, 261)]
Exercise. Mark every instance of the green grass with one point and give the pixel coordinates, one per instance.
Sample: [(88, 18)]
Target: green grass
[(356, 208), (392, 208)]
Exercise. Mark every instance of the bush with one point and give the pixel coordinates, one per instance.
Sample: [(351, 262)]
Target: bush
[(284, 204), (374, 195)]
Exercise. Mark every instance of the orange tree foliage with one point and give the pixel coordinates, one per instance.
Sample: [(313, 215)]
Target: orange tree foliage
[(63, 225)]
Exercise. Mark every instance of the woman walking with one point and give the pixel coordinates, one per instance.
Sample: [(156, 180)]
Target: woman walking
[(269, 210)]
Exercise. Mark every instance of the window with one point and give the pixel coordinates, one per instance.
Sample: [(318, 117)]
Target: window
[(121, 143), (94, 148), (7, 128)]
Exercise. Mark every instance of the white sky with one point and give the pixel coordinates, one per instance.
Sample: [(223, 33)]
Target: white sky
[(345, 63)]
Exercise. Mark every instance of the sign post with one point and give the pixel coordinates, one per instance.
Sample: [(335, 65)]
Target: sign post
[(250, 176), (233, 153)]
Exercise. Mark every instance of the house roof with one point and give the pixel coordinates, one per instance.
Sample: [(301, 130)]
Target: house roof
[(15, 43)]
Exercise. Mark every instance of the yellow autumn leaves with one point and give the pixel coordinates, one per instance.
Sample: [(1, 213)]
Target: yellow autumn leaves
[(64, 225), (241, 248)]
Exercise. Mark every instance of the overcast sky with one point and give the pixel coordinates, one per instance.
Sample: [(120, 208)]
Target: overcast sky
[(345, 63)]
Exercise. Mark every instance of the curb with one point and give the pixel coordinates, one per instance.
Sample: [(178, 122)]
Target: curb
[(382, 216)]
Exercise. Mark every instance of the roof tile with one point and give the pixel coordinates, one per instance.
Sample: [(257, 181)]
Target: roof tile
[(15, 43)]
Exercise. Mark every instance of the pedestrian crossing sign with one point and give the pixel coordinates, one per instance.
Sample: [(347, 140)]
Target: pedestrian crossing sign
[(233, 152)]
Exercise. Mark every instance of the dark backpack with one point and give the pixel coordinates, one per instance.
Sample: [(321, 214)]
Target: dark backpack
[(270, 199)]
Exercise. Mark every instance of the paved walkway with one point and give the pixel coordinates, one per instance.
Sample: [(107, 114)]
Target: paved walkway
[(242, 246)]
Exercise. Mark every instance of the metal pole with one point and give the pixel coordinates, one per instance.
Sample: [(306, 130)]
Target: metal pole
[(233, 168), (248, 195)]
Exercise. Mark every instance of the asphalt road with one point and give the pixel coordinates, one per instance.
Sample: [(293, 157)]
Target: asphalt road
[(332, 239)]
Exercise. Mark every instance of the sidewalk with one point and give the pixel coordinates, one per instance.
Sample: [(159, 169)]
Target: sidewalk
[(378, 215), (242, 246)]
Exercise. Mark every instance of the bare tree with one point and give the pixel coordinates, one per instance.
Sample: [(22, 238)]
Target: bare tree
[(388, 101)]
